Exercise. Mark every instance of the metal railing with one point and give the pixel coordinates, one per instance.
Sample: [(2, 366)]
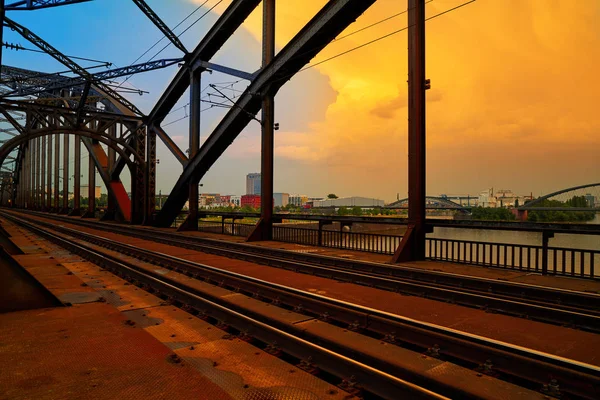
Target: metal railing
[(581, 263), (528, 258), (360, 241)]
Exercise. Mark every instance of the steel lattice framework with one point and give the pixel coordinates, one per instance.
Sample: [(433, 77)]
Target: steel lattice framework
[(431, 203), (41, 106)]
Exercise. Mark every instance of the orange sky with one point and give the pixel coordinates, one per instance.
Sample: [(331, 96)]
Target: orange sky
[(514, 101)]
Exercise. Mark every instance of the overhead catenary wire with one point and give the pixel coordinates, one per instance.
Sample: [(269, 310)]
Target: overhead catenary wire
[(367, 43), (337, 39), (380, 38), (179, 35)]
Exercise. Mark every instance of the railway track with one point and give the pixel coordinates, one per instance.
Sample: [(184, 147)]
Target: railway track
[(556, 306), (556, 376)]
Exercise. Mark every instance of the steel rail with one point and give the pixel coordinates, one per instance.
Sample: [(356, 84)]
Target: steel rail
[(558, 306), (586, 318), (576, 378), (373, 380)]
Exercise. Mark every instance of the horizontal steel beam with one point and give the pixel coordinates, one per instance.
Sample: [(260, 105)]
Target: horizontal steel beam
[(39, 4), (66, 82), (25, 106), (563, 209), (225, 70), (333, 18)]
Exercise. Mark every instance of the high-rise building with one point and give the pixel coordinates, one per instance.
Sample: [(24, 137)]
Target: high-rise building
[(253, 183)]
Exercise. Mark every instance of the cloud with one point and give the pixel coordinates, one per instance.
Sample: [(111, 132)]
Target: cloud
[(388, 108), (508, 77)]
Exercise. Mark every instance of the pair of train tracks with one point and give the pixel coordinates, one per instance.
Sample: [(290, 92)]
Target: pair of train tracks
[(550, 305), (383, 376)]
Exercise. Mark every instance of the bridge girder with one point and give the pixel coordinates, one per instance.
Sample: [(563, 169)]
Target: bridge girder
[(445, 204), (531, 205), (331, 20)]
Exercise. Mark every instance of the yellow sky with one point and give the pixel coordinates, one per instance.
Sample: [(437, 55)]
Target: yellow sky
[(514, 99)]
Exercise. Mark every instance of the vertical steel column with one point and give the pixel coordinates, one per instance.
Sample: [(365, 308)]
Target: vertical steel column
[(151, 177), (30, 175), (34, 165), (264, 228), (27, 177), (91, 209), (56, 173), (1, 30), (43, 175), (76, 177), (191, 222), (111, 207), (138, 183), (49, 176), (38, 173), (412, 247), (65, 202)]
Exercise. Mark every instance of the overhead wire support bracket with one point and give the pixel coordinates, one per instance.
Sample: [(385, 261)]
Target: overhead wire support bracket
[(146, 9), (225, 70)]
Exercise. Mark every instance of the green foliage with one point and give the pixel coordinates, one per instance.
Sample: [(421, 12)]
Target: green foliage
[(332, 196), (562, 216), (357, 211), (492, 214), (343, 211)]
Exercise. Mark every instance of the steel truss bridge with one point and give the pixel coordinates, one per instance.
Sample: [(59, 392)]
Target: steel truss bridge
[(432, 203), (40, 110), (39, 106), (590, 192)]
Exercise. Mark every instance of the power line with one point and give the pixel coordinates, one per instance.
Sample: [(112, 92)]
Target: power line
[(374, 24), (176, 26), (347, 51), (379, 38), (188, 28), (18, 47)]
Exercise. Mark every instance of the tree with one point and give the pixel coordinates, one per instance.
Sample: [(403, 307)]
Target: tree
[(332, 196), (356, 211)]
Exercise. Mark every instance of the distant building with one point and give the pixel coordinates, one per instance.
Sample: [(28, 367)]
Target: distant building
[(83, 190), (591, 200), (209, 199), (252, 200), (235, 200), (225, 200), (354, 201), (487, 199), (298, 200), (281, 199), (253, 183), (506, 198)]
